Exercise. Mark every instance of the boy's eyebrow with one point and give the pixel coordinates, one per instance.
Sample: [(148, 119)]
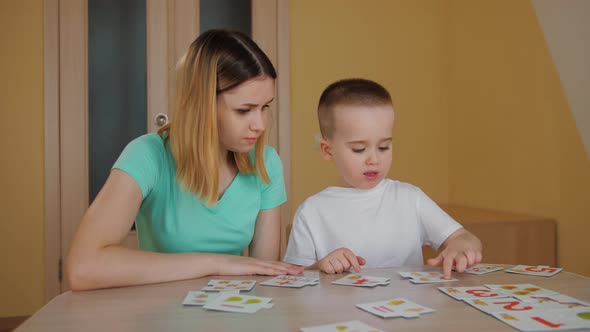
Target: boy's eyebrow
[(254, 105), (363, 141)]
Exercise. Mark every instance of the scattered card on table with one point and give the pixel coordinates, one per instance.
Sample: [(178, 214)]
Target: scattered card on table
[(421, 277), (352, 326), (510, 304), (547, 320), (198, 298), (290, 281), (483, 269), (538, 270), (473, 292), (398, 307), (238, 303), (521, 289), (222, 285), (361, 281)]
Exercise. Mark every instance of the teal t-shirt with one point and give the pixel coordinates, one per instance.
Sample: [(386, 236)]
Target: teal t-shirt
[(171, 220)]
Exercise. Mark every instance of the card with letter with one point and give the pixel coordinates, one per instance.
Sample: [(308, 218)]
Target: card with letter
[(538, 270), (398, 307), (483, 269), (290, 281), (238, 303), (473, 292), (547, 320), (199, 298), (520, 289), (361, 281), (352, 326), (510, 304), (422, 277), (223, 285)]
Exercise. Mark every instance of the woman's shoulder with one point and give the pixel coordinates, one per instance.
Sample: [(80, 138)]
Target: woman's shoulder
[(148, 141)]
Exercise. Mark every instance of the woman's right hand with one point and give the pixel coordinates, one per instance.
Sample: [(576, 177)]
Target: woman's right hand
[(239, 265)]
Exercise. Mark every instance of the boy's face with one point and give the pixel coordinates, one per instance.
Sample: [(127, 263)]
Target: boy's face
[(361, 144)]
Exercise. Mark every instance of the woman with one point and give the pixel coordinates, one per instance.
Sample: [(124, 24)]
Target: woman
[(201, 190)]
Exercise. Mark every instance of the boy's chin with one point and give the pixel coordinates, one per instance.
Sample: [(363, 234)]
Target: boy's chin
[(365, 184)]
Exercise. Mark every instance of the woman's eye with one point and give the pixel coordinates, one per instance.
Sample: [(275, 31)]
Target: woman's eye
[(358, 150), (265, 107), (384, 148), (243, 111)]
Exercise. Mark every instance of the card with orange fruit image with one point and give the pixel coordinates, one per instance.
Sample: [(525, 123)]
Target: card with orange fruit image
[(521, 289)]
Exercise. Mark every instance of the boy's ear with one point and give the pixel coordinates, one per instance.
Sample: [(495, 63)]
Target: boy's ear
[(325, 149)]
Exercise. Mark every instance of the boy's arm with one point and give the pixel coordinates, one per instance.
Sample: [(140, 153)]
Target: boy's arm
[(461, 249)]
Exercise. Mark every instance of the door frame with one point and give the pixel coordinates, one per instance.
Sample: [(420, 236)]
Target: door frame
[(171, 26)]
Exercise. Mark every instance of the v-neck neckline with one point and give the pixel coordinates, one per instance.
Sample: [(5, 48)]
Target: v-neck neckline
[(221, 199)]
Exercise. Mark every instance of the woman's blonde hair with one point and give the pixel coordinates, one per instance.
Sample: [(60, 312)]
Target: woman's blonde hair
[(217, 61)]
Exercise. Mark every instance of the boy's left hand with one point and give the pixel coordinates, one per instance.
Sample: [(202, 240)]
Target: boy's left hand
[(461, 249)]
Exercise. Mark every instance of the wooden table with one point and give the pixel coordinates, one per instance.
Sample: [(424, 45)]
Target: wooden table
[(158, 307)]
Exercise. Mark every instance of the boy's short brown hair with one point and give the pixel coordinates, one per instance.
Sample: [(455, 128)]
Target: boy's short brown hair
[(352, 91)]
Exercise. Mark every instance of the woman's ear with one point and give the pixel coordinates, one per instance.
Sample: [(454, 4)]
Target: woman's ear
[(325, 149)]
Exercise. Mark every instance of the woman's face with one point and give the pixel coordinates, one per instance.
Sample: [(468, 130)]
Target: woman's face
[(242, 114)]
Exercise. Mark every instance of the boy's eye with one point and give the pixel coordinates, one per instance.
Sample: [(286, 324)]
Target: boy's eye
[(384, 148), (265, 107), (358, 150)]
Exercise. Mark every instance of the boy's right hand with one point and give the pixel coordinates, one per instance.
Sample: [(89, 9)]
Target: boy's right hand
[(340, 260)]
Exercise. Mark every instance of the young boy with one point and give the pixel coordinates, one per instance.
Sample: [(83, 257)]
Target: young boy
[(384, 222)]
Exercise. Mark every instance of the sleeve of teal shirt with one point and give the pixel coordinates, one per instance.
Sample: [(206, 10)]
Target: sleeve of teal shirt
[(141, 159), (274, 193)]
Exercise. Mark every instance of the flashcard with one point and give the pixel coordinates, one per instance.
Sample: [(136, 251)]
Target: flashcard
[(223, 285), (520, 289), (539, 270), (290, 281), (473, 292), (352, 326), (547, 320), (483, 269), (238, 303), (361, 281), (509, 304), (199, 298), (422, 277), (398, 307), (564, 300)]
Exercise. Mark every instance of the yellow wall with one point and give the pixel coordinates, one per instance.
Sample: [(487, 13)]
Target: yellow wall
[(513, 141), (481, 118), (400, 44), (21, 169)]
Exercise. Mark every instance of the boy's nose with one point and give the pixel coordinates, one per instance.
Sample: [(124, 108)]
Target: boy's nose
[(372, 158)]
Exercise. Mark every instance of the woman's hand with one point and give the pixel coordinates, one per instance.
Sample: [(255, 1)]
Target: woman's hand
[(239, 265)]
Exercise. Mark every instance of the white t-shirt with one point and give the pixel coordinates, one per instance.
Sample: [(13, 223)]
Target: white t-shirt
[(387, 225)]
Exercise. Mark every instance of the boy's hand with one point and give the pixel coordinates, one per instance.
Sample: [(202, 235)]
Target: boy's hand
[(461, 249), (340, 260)]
